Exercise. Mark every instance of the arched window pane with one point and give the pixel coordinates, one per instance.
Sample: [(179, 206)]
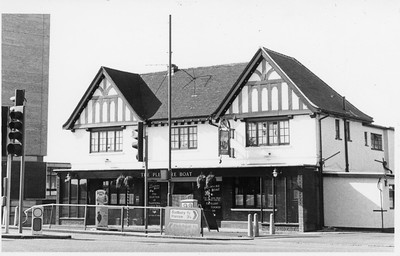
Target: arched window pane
[(254, 100)]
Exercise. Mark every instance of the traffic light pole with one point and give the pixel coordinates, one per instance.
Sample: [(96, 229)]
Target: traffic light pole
[(22, 176), (8, 199), (146, 171)]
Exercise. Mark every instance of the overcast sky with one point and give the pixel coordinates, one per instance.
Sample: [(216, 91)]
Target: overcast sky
[(352, 45)]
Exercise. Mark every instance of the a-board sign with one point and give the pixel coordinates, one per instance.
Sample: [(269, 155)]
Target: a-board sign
[(212, 199), (209, 220), (183, 221), (154, 200)]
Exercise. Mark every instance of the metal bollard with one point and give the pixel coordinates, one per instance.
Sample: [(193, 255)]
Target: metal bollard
[(271, 224), (16, 216), (256, 226), (249, 226)]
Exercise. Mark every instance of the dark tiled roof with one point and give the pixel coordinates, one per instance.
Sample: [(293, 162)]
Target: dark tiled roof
[(136, 92), (316, 90), (196, 92), (201, 92), (131, 86)]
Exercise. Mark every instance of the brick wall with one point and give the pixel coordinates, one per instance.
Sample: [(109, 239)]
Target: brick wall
[(25, 65), (309, 218)]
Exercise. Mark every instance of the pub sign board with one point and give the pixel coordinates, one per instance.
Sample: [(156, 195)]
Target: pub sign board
[(181, 221)]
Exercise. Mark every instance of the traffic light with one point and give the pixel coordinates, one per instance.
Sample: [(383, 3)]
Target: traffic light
[(19, 97), (16, 131), (37, 220), (138, 141)]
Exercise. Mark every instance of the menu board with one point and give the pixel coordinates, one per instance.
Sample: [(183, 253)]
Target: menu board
[(212, 200), (154, 193)]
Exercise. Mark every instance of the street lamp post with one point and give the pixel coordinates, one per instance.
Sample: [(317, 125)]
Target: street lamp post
[(274, 175), (169, 197)]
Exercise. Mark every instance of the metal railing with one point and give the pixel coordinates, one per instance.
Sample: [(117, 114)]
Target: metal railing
[(81, 214)]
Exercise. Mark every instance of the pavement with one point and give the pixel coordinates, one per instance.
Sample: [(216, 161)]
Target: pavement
[(57, 232), (65, 232)]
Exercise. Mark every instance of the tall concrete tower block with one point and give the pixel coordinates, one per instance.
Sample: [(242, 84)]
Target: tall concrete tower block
[(25, 65)]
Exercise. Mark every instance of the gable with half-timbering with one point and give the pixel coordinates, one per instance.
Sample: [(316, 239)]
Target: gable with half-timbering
[(105, 107), (266, 92)]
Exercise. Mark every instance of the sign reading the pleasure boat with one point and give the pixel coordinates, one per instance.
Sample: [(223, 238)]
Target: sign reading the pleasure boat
[(183, 221)]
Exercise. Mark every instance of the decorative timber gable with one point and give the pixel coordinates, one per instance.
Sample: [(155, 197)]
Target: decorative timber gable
[(108, 101), (266, 92), (106, 107)]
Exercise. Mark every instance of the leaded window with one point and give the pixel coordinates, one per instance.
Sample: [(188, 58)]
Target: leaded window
[(105, 141), (184, 137), (376, 141), (267, 133)]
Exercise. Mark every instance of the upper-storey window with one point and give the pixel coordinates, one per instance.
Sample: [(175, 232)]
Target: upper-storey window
[(337, 129), (376, 141), (106, 140), (266, 133), (391, 196), (184, 137)]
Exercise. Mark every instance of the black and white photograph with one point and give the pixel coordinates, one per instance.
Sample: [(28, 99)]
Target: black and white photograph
[(197, 127)]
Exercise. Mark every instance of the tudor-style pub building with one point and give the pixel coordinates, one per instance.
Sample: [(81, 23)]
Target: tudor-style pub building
[(240, 123)]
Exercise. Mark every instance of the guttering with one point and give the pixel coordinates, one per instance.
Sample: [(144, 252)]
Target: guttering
[(348, 116), (190, 119), (346, 151), (378, 126)]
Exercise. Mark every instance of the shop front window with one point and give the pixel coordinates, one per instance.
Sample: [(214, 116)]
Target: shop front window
[(51, 180), (247, 196), (65, 188), (121, 195), (182, 191), (74, 191)]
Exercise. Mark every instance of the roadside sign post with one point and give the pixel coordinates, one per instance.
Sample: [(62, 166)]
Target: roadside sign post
[(183, 221)]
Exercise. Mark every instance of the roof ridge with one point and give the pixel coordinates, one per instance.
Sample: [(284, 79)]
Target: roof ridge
[(212, 66), (283, 55), (298, 62), (311, 73), (118, 70)]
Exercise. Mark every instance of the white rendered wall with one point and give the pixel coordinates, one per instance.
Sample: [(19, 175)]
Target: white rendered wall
[(301, 150), (84, 160), (205, 155), (350, 202), (361, 157)]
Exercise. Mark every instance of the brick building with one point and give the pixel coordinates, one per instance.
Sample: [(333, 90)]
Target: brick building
[(25, 65)]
